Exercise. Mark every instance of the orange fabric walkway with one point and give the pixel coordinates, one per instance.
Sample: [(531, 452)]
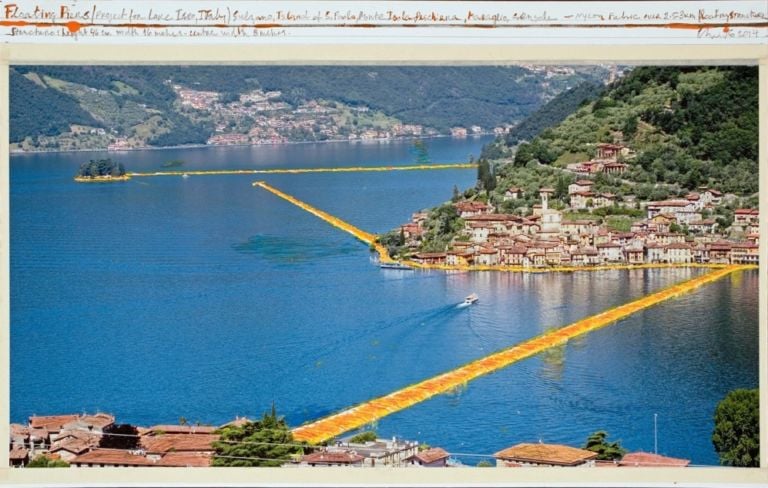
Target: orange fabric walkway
[(372, 410)]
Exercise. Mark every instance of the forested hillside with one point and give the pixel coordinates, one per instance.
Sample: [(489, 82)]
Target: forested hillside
[(142, 102), (687, 125)]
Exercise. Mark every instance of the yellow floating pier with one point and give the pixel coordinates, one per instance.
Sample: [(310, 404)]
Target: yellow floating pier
[(366, 237), (351, 169), (384, 256), (370, 411)]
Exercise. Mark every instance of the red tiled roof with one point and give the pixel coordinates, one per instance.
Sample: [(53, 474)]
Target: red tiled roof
[(678, 245), (179, 442), (51, 422), (647, 459), (585, 182), (112, 457), (431, 455), (75, 446), (555, 454), (427, 255), (746, 211), (185, 459), (179, 429), (39, 433), (98, 420), (670, 203), (18, 453), (19, 430), (490, 218), (333, 457)]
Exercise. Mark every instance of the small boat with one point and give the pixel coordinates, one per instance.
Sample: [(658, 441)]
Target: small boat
[(185, 175), (471, 299), (395, 265)]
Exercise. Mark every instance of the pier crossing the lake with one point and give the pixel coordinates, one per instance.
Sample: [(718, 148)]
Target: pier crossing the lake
[(366, 237), (349, 169), (365, 413)]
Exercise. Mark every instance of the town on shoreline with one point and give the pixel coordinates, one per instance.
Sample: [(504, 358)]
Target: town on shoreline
[(96, 440), (673, 231)]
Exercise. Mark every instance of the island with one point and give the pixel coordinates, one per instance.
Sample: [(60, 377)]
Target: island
[(101, 170)]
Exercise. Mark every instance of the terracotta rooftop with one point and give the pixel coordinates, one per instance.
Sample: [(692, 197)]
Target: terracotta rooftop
[(51, 422), (179, 442), (75, 446), (746, 211), (18, 453), (19, 430), (112, 457), (178, 429), (431, 455), (332, 457), (554, 454), (647, 459), (185, 459), (98, 420)]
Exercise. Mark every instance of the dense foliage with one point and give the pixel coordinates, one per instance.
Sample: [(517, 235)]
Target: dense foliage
[(120, 436), (101, 167), (689, 126), (442, 224), (554, 112), (363, 437), (597, 442), (43, 461), (265, 442), (736, 436), (36, 110), (121, 98)]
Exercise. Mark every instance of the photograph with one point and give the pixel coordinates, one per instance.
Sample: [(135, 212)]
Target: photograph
[(384, 266)]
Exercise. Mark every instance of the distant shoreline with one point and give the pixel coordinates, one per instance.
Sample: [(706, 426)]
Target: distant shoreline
[(16, 152)]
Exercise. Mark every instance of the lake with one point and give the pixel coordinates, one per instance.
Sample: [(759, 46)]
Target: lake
[(207, 298)]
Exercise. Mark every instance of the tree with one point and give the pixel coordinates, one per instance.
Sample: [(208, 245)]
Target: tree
[(485, 177), (561, 188), (605, 450), (737, 429), (363, 437), (120, 436), (265, 442), (523, 154), (456, 194), (42, 461)]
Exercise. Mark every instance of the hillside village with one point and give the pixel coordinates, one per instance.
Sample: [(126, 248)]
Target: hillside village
[(260, 117), (77, 441), (672, 231)]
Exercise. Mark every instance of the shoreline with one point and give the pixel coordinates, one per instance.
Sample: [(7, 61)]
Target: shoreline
[(18, 152)]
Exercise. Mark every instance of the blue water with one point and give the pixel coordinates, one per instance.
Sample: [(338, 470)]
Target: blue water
[(207, 298)]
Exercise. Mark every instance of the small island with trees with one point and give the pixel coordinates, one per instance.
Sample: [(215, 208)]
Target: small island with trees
[(98, 170)]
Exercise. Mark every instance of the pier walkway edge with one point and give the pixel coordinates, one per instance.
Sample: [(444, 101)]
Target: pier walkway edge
[(372, 410)]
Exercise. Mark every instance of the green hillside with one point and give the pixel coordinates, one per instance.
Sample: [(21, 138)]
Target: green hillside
[(689, 126), (140, 102)]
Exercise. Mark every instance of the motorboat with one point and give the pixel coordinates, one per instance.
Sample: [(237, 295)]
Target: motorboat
[(471, 299)]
